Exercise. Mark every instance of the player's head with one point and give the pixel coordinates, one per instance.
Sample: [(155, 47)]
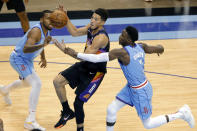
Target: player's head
[(99, 17), (129, 35), (45, 19)]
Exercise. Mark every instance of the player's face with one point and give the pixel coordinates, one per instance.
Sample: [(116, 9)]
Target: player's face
[(124, 38), (96, 21), (47, 22)]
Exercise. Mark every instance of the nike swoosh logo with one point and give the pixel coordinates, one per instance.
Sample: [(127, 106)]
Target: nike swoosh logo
[(66, 117), (91, 73)]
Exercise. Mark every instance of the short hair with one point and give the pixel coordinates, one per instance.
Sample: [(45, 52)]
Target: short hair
[(45, 11), (103, 13), (132, 32)]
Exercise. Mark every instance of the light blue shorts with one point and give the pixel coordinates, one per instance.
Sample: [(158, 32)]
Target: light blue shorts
[(23, 66), (140, 98)]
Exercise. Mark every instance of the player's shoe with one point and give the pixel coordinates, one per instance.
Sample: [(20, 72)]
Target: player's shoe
[(6, 96), (64, 118), (32, 125), (187, 115)]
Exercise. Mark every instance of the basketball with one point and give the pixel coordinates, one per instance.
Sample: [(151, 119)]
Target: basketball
[(58, 19)]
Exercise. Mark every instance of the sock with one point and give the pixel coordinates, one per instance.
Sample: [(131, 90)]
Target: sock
[(65, 106), (80, 129), (175, 116), (31, 117)]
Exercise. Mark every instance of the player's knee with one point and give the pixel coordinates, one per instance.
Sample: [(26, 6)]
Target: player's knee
[(111, 110), (56, 82), (38, 84), (147, 124)]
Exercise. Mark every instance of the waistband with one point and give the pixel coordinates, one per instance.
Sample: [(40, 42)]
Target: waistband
[(140, 85)]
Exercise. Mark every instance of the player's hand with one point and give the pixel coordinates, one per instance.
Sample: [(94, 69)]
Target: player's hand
[(61, 45), (47, 40), (43, 63), (161, 48), (61, 7)]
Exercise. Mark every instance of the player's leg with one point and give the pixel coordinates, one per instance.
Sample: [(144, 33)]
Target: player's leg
[(112, 110), (1, 5), (21, 13), (71, 76), (79, 113), (23, 69), (183, 113), (89, 83), (5, 90), (35, 83)]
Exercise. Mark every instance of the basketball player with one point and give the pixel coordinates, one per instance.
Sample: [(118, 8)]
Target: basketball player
[(84, 76), (138, 90), (19, 7), (21, 59)]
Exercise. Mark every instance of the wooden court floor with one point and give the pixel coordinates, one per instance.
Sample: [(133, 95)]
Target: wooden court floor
[(170, 91)]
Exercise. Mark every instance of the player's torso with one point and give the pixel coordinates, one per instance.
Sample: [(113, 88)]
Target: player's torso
[(20, 45), (94, 67)]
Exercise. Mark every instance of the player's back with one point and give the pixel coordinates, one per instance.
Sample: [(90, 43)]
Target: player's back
[(134, 71)]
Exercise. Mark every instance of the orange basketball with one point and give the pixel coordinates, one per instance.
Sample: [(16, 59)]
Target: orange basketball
[(58, 19)]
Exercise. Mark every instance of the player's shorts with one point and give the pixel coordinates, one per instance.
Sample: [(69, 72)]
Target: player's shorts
[(140, 98), (23, 66), (85, 82), (17, 5)]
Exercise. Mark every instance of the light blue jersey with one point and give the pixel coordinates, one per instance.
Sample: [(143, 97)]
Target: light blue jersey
[(138, 91), (23, 62)]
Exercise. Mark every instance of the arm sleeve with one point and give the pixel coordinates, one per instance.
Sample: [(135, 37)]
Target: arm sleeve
[(103, 57)]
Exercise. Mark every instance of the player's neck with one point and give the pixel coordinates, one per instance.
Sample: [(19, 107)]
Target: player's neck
[(44, 29), (97, 29)]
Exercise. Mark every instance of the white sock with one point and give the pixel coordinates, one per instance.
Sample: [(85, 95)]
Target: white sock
[(15, 84), (175, 116), (160, 120), (35, 82)]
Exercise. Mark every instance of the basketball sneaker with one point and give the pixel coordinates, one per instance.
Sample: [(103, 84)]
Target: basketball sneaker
[(187, 115), (64, 118), (32, 125), (5, 95)]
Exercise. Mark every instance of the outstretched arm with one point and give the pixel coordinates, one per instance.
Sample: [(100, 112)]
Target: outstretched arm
[(120, 54), (159, 49)]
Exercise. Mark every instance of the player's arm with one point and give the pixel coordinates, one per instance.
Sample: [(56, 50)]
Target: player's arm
[(119, 54), (99, 41), (43, 62), (159, 49), (74, 31), (33, 37)]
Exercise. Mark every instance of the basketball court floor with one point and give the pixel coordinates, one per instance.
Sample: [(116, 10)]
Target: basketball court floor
[(172, 75)]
